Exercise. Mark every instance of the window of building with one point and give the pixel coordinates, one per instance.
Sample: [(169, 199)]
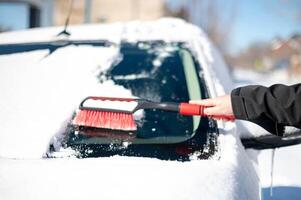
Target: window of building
[(18, 15)]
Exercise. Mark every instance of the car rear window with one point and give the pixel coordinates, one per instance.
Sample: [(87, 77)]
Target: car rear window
[(158, 72)]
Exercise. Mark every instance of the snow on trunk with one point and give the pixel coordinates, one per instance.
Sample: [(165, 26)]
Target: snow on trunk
[(40, 92)]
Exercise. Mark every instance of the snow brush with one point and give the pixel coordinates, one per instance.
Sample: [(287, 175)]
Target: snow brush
[(117, 113)]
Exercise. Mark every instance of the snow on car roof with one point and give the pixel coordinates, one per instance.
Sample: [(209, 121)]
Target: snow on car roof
[(162, 29)]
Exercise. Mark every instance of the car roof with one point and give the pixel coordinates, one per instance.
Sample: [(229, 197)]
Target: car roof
[(162, 29)]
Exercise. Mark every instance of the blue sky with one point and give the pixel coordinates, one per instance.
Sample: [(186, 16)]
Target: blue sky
[(263, 20), (258, 20)]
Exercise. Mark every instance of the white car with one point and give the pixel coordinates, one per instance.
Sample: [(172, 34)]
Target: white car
[(43, 78)]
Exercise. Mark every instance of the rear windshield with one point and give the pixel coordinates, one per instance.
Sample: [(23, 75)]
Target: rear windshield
[(158, 72)]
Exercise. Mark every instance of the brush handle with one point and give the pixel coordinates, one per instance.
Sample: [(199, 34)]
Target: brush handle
[(194, 109), (182, 108), (167, 106), (191, 109)]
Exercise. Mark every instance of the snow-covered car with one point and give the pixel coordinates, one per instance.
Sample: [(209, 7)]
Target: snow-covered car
[(43, 78)]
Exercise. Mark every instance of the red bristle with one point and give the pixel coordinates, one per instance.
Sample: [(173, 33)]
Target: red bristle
[(102, 119)]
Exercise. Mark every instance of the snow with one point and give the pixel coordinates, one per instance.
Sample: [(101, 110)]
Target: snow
[(128, 178), (244, 77), (132, 76), (115, 32), (286, 174), (159, 179), (40, 92), (108, 104)]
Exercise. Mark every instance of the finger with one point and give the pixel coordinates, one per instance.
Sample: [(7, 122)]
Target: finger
[(204, 102), (213, 111), (224, 118), (217, 114), (216, 118)]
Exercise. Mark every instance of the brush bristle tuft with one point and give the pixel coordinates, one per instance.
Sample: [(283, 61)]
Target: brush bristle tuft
[(104, 119)]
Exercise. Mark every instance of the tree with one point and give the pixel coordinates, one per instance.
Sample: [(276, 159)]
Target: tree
[(214, 16), (3, 29)]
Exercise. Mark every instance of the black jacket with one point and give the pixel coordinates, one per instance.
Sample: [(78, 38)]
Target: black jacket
[(272, 108)]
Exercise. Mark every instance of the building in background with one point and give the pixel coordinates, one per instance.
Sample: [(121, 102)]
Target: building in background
[(287, 54), (95, 11), (22, 14), (280, 54)]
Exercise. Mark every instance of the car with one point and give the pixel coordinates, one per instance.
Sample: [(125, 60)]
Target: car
[(44, 77)]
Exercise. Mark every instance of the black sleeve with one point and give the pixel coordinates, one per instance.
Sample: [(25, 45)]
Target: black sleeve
[(270, 107)]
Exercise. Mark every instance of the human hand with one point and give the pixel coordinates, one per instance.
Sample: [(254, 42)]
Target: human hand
[(217, 108)]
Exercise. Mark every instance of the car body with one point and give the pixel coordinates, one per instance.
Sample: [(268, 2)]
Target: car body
[(44, 76)]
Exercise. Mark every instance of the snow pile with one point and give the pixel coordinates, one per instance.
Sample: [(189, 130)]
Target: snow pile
[(130, 178), (39, 93)]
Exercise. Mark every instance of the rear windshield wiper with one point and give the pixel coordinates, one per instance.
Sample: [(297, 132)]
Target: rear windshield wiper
[(51, 45)]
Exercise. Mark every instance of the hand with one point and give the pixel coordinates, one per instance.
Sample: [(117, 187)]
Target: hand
[(217, 108)]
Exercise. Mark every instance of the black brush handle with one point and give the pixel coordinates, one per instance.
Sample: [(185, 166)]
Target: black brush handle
[(167, 106)]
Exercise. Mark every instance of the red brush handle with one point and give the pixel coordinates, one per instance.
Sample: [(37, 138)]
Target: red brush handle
[(191, 109), (194, 109)]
